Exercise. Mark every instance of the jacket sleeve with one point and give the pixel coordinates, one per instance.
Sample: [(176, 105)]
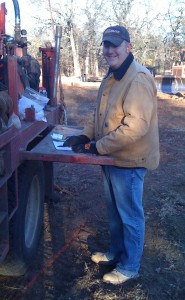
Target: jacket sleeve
[(138, 108)]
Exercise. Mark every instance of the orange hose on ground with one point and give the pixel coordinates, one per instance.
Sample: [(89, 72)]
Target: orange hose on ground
[(49, 263)]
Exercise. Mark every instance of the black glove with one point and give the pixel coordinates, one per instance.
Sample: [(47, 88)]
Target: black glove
[(86, 148), (76, 140)]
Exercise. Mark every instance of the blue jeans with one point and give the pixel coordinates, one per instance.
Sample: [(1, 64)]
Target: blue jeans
[(123, 194)]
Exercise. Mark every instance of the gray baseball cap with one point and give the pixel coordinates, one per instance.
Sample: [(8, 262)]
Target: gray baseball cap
[(116, 35)]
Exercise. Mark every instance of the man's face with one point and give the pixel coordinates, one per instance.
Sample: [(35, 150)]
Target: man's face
[(115, 56)]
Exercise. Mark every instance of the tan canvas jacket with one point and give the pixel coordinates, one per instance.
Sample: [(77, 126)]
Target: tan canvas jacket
[(125, 125)]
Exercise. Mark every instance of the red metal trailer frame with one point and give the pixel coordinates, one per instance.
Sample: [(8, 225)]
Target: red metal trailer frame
[(32, 142)]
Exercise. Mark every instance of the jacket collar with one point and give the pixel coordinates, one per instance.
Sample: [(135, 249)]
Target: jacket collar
[(120, 72)]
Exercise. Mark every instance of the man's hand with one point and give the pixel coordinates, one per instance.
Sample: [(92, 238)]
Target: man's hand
[(86, 148), (76, 140)]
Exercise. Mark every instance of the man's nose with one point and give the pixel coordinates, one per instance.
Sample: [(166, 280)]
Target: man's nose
[(110, 48)]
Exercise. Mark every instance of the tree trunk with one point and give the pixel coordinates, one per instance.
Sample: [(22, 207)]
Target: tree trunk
[(77, 71)]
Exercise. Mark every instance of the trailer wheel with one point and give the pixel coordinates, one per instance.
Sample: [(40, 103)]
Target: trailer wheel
[(26, 224)]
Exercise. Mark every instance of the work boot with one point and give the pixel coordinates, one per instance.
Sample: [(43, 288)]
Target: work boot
[(102, 258), (116, 277)]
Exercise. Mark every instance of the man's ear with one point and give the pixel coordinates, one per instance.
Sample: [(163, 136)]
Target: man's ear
[(129, 47)]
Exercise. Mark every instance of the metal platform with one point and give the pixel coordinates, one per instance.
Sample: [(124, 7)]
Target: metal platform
[(46, 151)]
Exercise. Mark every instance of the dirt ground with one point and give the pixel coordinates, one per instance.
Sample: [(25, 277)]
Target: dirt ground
[(76, 223)]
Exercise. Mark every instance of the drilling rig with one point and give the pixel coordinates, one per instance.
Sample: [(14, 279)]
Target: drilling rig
[(24, 184)]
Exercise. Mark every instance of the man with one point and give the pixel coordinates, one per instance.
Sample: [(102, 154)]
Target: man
[(125, 127)]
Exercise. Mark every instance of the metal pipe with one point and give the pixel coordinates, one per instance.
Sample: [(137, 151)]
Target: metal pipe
[(58, 36), (17, 29)]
